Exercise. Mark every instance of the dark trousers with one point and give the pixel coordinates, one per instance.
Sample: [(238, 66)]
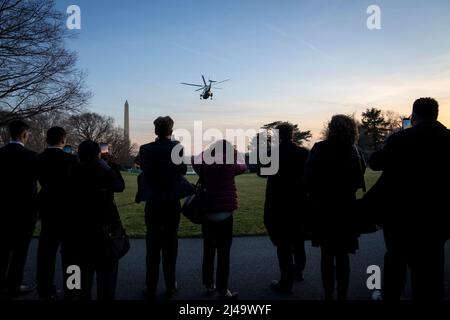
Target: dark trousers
[(335, 268), (217, 237), (425, 257), (395, 267), (291, 259), (14, 242), (50, 240), (106, 274), (162, 241)]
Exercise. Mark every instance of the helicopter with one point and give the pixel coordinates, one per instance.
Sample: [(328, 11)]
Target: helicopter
[(205, 87)]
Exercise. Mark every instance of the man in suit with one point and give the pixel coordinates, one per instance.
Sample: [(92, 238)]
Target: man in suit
[(413, 190), (53, 170), (285, 201), (18, 190), (161, 177)]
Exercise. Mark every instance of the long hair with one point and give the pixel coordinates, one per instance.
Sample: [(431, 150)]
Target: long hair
[(222, 148), (342, 128)]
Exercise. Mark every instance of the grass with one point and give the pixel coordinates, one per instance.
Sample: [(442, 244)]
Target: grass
[(248, 218)]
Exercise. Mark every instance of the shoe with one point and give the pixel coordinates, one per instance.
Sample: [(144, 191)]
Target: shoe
[(210, 290), (52, 296), (22, 290), (27, 288), (377, 295), (170, 293), (276, 286), (228, 295)]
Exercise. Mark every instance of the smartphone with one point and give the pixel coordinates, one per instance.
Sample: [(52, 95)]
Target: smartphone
[(406, 123), (68, 149), (104, 148)]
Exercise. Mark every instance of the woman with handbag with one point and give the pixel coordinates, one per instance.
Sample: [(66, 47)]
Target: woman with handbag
[(97, 239), (217, 168)]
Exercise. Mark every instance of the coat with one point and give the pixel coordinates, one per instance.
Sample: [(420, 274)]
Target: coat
[(286, 201), (53, 170), (220, 185), (93, 188), (18, 186), (160, 177), (334, 173), (411, 195)]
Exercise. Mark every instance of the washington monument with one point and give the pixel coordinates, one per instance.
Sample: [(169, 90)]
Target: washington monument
[(126, 121)]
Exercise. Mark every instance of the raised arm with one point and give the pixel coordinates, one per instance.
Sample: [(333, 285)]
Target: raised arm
[(114, 178)]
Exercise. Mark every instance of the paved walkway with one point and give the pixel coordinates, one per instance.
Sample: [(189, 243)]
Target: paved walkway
[(253, 267)]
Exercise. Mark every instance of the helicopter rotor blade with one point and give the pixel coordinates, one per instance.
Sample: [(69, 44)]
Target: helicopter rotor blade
[(202, 88), (204, 81), (191, 84), (215, 82)]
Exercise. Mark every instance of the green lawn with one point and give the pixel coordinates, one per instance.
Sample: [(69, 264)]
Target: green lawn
[(248, 218)]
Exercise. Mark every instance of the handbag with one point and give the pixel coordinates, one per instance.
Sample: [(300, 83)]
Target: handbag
[(118, 241), (182, 188), (195, 206)]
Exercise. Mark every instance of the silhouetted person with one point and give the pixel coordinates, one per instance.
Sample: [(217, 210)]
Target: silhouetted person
[(335, 171), (413, 190), (217, 176), (161, 177), (94, 184), (18, 190), (284, 205), (53, 170)]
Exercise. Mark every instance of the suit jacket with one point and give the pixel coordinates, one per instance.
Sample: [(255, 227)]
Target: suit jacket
[(414, 187), (18, 187), (285, 192), (161, 177), (53, 171)]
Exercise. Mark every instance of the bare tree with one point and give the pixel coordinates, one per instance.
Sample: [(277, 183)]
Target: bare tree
[(394, 121), (39, 125), (102, 129), (90, 126), (37, 73)]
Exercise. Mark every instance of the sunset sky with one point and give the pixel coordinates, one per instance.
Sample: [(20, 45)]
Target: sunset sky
[(301, 61)]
